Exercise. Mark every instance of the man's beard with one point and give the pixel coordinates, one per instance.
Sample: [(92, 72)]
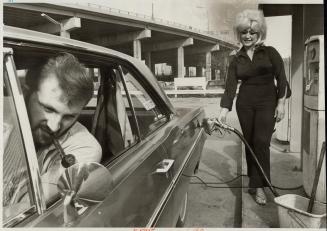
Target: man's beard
[(42, 136)]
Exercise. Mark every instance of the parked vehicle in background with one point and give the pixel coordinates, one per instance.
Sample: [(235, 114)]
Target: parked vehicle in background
[(167, 85), (144, 174), (215, 84)]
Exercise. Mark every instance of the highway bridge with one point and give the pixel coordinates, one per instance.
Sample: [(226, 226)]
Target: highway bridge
[(144, 37)]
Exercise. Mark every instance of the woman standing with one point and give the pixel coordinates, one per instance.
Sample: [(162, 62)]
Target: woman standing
[(260, 102)]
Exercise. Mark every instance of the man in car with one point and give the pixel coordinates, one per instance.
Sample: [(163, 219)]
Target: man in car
[(56, 97)]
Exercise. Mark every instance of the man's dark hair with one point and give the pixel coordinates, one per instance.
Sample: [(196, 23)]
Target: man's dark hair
[(73, 78)]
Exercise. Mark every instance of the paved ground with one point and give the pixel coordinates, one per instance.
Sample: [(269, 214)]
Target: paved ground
[(224, 203)]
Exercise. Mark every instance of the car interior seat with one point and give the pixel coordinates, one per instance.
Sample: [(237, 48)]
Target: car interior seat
[(110, 124)]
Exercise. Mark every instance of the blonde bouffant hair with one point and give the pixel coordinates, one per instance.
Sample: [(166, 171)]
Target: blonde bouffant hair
[(253, 19)]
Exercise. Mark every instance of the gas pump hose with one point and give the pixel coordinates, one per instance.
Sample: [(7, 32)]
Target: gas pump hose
[(211, 125)]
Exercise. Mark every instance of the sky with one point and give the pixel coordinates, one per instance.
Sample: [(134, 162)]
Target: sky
[(201, 14), (217, 15), (195, 13)]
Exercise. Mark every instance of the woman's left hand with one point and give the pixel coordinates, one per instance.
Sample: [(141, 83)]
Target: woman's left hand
[(279, 112)]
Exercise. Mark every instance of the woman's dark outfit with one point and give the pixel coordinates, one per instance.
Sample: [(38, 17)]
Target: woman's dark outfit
[(256, 102)]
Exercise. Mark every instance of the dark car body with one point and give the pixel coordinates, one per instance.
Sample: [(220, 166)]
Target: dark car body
[(140, 195)]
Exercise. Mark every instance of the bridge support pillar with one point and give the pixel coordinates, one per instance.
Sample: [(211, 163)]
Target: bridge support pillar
[(199, 71), (208, 65), (180, 62), (137, 48), (147, 57), (187, 71)]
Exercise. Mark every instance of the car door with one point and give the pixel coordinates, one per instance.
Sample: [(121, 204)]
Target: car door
[(184, 145), (142, 173), (182, 138), (21, 183)]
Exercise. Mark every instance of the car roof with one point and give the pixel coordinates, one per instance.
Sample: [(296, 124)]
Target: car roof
[(39, 37)]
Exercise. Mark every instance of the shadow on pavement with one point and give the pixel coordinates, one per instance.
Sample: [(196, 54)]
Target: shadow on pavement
[(219, 167)]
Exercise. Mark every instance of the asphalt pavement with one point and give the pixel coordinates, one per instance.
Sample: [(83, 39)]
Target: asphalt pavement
[(218, 203)]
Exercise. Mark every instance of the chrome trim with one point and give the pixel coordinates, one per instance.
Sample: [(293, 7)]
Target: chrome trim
[(122, 77), (26, 134), (153, 218), (20, 217), (7, 51), (171, 116)]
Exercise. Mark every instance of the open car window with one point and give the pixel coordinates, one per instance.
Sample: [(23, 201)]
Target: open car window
[(105, 116), (149, 115), (113, 124), (108, 115)]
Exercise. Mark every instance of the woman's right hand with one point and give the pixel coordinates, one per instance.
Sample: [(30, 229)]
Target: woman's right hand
[(222, 115)]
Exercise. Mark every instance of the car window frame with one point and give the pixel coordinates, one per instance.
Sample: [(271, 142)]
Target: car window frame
[(27, 140), (120, 71), (163, 110), (119, 62), (117, 65), (104, 58)]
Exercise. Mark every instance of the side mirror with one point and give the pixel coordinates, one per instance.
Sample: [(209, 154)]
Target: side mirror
[(82, 185)]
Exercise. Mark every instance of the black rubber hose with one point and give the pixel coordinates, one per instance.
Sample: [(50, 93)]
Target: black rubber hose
[(256, 160)]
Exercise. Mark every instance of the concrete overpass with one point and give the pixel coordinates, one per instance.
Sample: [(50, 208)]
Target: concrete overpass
[(150, 39)]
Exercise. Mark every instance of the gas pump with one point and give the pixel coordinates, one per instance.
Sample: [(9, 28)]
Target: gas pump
[(313, 130)]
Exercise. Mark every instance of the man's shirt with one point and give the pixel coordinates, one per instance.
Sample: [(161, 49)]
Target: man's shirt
[(77, 141)]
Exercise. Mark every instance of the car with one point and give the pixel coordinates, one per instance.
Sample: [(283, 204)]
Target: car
[(141, 181), (166, 85), (215, 84)]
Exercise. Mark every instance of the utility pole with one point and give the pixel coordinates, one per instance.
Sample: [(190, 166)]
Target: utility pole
[(63, 33), (152, 15), (207, 15), (208, 20)]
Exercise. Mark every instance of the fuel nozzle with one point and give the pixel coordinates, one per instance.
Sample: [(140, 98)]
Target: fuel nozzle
[(207, 126), (213, 124)]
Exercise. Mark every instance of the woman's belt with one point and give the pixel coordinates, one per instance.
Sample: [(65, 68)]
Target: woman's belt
[(262, 80)]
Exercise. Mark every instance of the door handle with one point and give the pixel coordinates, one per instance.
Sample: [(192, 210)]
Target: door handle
[(164, 166)]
